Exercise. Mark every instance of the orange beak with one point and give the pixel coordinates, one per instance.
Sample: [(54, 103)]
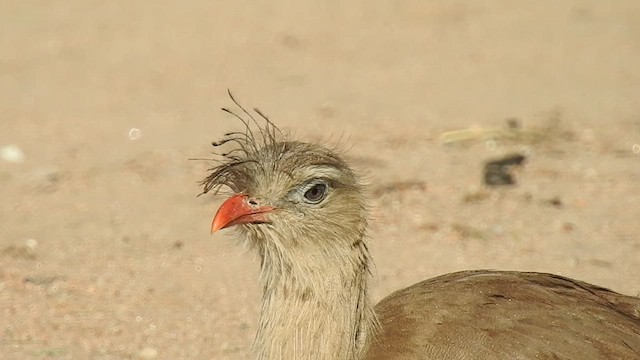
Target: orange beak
[(238, 210)]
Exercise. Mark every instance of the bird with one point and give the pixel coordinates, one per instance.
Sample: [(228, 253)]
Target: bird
[(303, 208)]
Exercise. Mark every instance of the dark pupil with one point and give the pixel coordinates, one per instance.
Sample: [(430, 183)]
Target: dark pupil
[(316, 193)]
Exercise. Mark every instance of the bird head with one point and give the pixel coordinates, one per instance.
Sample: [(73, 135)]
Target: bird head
[(296, 193)]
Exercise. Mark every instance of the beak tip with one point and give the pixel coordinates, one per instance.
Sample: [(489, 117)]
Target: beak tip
[(215, 227)]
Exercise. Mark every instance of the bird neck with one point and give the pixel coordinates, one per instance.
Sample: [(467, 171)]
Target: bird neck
[(315, 303)]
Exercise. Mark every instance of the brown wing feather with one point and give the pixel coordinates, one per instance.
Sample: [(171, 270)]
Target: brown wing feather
[(506, 315)]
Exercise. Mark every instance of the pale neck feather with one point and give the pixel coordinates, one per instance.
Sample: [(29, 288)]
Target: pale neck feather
[(315, 302)]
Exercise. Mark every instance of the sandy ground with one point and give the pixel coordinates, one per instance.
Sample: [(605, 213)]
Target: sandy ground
[(105, 250)]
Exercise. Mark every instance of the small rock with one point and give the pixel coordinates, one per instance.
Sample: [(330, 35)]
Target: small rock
[(148, 353), (514, 123), (135, 134), (178, 244), (12, 154), (555, 202), (31, 243), (498, 172)]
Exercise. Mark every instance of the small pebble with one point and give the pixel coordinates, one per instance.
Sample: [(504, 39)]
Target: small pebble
[(135, 134), (31, 243), (12, 154), (148, 353)]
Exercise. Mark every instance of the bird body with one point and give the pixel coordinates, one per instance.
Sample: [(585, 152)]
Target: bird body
[(304, 210), (507, 315)]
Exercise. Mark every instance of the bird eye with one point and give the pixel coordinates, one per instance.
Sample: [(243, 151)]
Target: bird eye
[(315, 193)]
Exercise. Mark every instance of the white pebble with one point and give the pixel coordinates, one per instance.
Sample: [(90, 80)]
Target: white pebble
[(135, 134), (31, 243), (12, 154)]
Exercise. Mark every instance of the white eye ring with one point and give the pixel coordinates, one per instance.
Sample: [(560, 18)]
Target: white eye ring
[(315, 192)]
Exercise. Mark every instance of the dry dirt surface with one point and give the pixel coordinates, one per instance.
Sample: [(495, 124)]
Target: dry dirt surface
[(105, 251)]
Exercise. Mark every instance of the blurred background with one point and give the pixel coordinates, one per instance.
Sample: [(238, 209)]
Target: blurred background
[(105, 251)]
